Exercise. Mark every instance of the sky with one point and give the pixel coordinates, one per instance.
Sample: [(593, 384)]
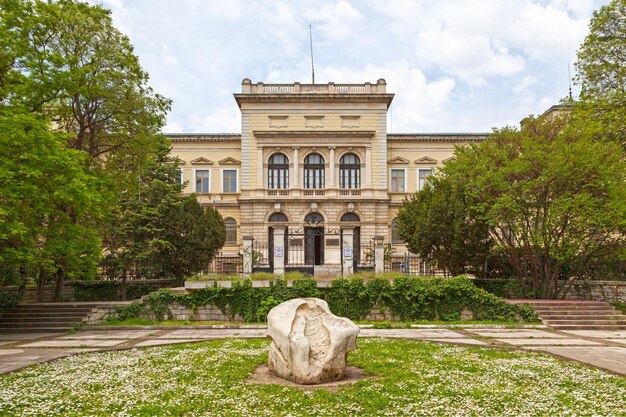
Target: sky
[(454, 65)]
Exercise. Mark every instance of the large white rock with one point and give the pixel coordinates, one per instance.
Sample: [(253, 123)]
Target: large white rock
[(310, 345)]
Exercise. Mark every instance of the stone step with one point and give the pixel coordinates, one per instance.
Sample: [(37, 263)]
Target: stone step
[(12, 314), (82, 304), (56, 329), (589, 327), (561, 322), (579, 313), (573, 308), (39, 324), (52, 311), (582, 317), (70, 319)]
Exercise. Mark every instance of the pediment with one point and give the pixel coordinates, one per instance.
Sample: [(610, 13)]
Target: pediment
[(202, 161), (229, 161), (452, 158), (398, 160), (426, 160)]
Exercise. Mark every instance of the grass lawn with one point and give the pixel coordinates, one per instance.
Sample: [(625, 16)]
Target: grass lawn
[(417, 378)]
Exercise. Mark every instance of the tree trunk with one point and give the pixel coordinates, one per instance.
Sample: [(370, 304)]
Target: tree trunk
[(60, 280), (41, 280), (123, 286)]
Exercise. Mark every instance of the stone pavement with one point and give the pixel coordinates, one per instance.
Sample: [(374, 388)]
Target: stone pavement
[(602, 349)]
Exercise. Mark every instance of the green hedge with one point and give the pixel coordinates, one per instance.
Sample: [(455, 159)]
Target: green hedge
[(111, 290), (8, 300), (410, 298)]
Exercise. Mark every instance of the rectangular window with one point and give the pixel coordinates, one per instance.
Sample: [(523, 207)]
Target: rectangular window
[(179, 176), (229, 181), (202, 181), (422, 177), (397, 181)]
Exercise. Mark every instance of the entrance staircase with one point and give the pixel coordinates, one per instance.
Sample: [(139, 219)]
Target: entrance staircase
[(578, 315), (46, 317)]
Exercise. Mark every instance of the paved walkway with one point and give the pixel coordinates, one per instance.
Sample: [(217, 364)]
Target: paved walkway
[(602, 349)]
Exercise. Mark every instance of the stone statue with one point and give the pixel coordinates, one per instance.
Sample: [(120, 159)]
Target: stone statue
[(310, 345)]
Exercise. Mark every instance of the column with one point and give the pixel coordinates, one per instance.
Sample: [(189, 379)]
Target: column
[(296, 168), (379, 254), (348, 248), (368, 167), (279, 250), (248, 243), (331, 169)]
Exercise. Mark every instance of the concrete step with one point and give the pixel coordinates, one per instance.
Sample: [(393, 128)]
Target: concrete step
[(52, 310), (67, 324), (560, 322), (579, 313), (58, 329), (582, 317), (575, 308), (589, 327), (15, 315), (69, 319)]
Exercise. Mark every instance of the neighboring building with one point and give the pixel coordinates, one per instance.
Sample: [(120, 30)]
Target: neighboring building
[(316, 158)]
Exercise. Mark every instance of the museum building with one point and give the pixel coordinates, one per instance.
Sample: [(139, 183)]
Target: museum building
[(316, 163)]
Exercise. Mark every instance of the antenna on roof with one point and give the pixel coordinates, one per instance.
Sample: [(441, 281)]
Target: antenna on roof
[(312, 66), (569, 79)]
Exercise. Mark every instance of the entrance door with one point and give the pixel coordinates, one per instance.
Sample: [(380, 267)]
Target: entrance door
[(356, 248), (314, 245)]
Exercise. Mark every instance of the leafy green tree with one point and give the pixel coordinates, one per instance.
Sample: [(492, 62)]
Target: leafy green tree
[(66, 60), (437, 224), (552, 197), (601, 73), (51, 203), (160, 232)]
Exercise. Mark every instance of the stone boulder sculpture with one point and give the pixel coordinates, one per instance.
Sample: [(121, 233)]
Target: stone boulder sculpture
[(310, 345)]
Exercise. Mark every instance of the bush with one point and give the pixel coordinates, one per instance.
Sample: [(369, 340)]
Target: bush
[(410, 298), (8, 300)]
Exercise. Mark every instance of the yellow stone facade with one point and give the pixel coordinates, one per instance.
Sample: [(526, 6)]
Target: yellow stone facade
[(337, 124)]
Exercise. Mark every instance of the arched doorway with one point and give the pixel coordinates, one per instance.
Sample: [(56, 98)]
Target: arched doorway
[(351, 219), (314, 239)]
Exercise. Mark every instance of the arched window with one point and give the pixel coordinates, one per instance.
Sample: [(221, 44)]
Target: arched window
[(314, 218), (231, 231), (278, 171), (350, 217), (395, 233), (314, 171), (349, 171), (278, 217)]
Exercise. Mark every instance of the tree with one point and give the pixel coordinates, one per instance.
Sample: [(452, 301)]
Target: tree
[(601, 73), (67, 61), (436, 224), (51, 203), (552, 197), (158, 231)]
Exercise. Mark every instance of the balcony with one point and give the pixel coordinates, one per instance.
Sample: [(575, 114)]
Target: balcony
[(316, 193)]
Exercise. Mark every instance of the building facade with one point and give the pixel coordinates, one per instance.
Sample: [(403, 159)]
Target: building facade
[(314, 161)]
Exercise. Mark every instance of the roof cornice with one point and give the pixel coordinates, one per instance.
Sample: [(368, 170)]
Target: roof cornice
[(302, 97), (203, 137), (437, 137)]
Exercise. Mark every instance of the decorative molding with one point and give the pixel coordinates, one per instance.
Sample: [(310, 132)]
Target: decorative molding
[(452, 158), (317, 133), (425, 160), (314, 121), (278, 121), (229, 161), (437, 137), (398, 160), (350, 121), (203, 137), (202, 161)]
